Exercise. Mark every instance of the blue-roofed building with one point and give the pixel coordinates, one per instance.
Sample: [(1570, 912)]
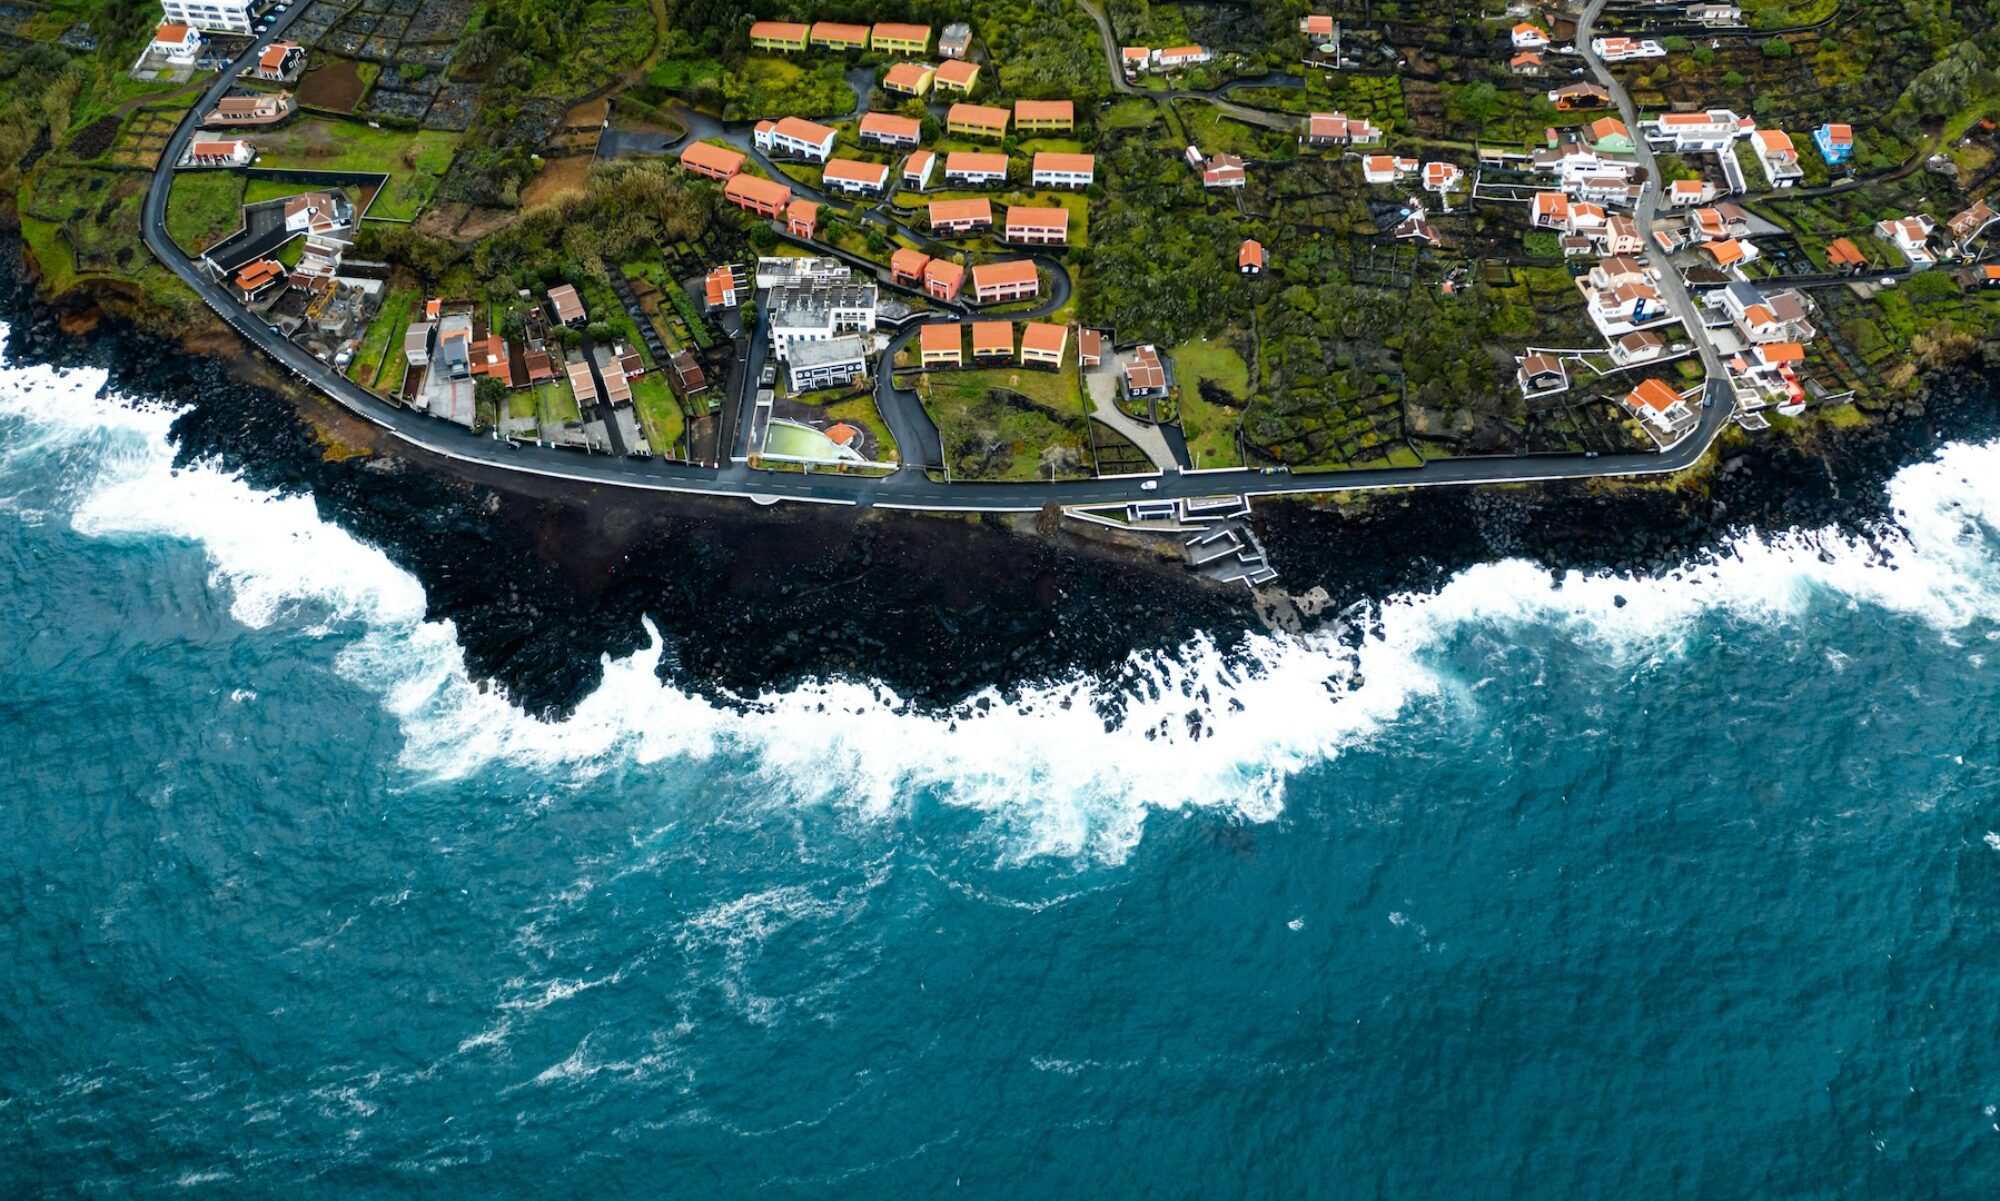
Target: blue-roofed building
[(1835, 142)]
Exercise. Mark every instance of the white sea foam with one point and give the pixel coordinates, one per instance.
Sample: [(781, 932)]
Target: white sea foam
[(1046, 775)]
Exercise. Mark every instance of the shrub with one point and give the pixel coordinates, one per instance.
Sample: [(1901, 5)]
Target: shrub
[(1777, 48)]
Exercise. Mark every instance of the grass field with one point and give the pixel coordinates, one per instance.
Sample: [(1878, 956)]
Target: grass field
[(997, 423), (383, 342), (414, 161), (204, 208), (659, 413), (1210, 428)]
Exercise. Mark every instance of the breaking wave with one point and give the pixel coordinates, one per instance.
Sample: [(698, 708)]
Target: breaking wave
[(1193, 728)]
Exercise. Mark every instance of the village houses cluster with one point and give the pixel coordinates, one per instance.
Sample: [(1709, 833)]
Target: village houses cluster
[(1667, 265)]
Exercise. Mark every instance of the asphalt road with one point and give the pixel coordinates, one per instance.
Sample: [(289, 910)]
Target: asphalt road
[(1719, 401), (909, 489)]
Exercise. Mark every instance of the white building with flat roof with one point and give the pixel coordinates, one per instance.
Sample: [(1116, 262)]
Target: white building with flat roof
[(801, 313), (211, 16), (828, 364)]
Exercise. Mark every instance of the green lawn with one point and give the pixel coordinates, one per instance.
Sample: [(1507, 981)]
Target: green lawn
[(1129, 114), (383, 341), (861, 411), (414, 161), (1210, 428), (203, 208), (257, 191), (997, 423), (659, 413), (559, 399)]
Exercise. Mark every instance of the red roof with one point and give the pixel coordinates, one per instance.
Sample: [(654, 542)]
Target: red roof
[(950, 211), (938, 336), (835, 31), (1021, 216), (855, 171), (891, 125), (1250, 254), (902, 32), (780, 31), (764, 192), (1054, 160), (979, 116), (1044, 110), (1655, 395), (992, 337), (803, 130), (957, 73), (975, 162), (1011, 272), (1044, 338), (712, 158)]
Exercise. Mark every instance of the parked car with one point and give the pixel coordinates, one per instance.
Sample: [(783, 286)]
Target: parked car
[(1150, 486)]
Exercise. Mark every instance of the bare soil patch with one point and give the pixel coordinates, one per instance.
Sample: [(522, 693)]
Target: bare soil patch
[(557, 178), (591, 114), (458, 222), (335, 86)]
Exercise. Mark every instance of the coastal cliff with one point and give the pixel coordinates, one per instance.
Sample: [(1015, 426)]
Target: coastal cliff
[(542, 579)]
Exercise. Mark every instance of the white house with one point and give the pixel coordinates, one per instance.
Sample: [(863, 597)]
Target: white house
[(1659, 406), (1530, 37), (1632, 303), (795, 136), (1761, 319), (1441, 177), (1054, 169), (1616, 271), (1639, 346), (212, 16), (1911, 235), (853, 176), (1180, 56), (218, 152), (1386, 168), (1779, 157), (1603, 189), (317, 213), (176, 43), (1338, 129), (1620, 50), (975, 168), (1686, 193), (1697, 133)]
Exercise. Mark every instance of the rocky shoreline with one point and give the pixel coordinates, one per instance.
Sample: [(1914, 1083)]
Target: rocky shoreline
[(543, 578)]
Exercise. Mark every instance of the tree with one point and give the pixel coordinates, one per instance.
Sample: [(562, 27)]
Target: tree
[(1777, 48), (489, 397), (1477, 103)]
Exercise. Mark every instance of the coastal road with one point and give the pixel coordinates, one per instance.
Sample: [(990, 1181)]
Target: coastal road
[(907, 489)]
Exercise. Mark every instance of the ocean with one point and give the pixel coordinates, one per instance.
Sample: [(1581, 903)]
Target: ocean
[(1536, 887)]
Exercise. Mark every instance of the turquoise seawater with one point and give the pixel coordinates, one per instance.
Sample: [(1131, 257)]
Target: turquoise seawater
[(1592, 887)]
